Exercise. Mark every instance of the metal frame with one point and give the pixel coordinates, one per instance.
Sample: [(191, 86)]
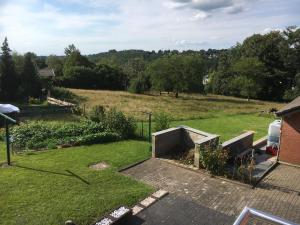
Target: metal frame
[(7, 120), (247, 212)]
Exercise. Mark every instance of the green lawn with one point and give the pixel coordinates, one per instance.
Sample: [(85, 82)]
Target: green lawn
[(227, 126), (231, 126), (53, 186)]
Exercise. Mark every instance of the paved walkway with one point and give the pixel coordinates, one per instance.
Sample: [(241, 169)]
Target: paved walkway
[(200, 199)]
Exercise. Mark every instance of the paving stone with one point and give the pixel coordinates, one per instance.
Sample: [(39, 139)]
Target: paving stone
[(278, 193), (147, 201), (136, 209), (160, 193)]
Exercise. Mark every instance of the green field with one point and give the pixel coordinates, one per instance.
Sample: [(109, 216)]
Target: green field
[(53, 186)]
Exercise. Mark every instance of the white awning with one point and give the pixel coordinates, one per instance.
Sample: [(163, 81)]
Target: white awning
[(8, 108)]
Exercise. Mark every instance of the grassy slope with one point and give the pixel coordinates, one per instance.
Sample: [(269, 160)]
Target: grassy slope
[(53, 186), (187, 106)]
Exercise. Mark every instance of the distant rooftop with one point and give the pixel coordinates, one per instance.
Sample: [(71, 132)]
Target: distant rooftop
[(46, 72), (289, 108)]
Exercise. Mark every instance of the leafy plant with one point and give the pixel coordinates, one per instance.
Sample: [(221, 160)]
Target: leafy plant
[(214, 159), (116, 121), (162, 121)]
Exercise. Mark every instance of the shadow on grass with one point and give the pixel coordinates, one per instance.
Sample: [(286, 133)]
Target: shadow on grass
[(68, 174)]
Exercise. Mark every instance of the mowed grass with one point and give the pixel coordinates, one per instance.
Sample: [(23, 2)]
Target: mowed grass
[(186, 107), (231, 126), (51, 187)]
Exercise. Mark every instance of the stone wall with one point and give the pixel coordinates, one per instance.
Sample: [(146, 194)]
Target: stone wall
[(170, 140), (165, 141), (209, 141), (239, 144), (191, 136)]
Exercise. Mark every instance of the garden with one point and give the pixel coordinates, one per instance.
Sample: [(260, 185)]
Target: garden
[(52, 178)]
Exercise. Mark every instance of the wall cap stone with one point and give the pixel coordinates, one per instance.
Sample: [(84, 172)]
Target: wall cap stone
[(165, 131), (235, 139)]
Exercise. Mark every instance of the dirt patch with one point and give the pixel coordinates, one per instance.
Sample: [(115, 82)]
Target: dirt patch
[(99, 166)]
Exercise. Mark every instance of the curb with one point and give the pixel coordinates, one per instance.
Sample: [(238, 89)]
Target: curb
[(144, 204)]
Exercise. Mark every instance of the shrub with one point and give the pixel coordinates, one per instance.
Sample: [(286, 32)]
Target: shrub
[(113, 121), (116, 121), (162, 121), (65, 94), (214, 159)]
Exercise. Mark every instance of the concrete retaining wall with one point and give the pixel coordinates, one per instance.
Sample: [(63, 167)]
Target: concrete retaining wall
[(171, 140), (165, 141), (239, 144)]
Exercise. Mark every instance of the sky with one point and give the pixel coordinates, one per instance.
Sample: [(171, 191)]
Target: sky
[(47, 27)]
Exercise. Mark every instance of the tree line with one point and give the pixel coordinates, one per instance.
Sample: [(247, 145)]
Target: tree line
[(264, 66)]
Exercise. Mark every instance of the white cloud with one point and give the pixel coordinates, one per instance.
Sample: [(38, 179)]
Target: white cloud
[(137, 24)]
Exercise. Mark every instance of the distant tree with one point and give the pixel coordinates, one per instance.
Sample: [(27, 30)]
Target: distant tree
[(18, 61), (8, 77), (55, 63), (29, 80), (74, 58), (135, 70), (159, 76), (71, 49), (195, 69)]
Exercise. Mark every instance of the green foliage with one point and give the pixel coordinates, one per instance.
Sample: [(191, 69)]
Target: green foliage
[(29, 80), (178, 73), (162, 121), (8, 76), (139, 85), (40, 134), (214, 159), (56, 63), (263, 67), (116, 121), (98, 77), (65, 95)]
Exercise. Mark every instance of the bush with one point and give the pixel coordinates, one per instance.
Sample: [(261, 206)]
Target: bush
[(65, 95), (114, 121), (214, 159), (162, 121)]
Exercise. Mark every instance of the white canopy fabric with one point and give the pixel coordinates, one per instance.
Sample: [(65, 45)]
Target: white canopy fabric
[(8, 108)]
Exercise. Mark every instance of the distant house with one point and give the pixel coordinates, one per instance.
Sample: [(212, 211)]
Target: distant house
[(46, 73), (289, 150)]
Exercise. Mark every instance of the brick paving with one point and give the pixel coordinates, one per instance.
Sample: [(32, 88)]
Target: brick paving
[(277, 194)]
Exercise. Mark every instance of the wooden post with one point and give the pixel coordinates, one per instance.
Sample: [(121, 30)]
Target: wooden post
[(7, 142)]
